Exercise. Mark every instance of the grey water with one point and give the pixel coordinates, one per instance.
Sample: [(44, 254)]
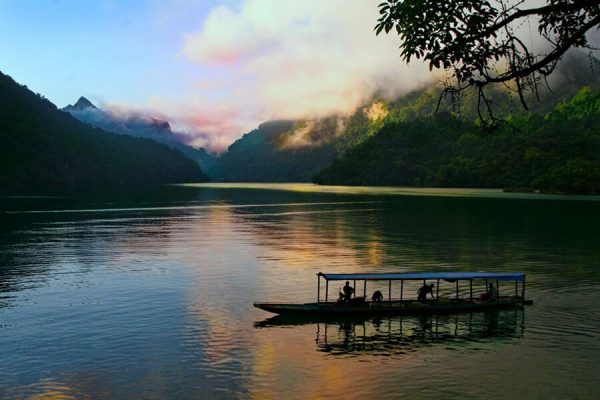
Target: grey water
[(148, 293)]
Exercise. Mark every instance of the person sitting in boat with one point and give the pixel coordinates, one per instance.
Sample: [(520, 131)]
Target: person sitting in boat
[(377, 296), (423, 290), (348, 291), (491, 294)]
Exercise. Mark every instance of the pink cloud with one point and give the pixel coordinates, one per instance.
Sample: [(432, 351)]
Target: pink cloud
[(302, 59), (209, 124), (278, 59)]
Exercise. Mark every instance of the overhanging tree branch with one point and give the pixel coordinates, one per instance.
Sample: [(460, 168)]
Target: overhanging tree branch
[(540, 11), (475, 40), (552, 56)]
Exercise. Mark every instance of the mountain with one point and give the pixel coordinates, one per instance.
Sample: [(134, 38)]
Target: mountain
[(138, 125), (81, 104), (291, 151), (296, 151), (555, 152), (43, 147), (299, 150), (256, 157)]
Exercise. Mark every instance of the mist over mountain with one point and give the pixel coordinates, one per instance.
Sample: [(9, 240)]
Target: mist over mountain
[(554, 146), (43, 147), (290, 151), (556, 152), (138, 125)]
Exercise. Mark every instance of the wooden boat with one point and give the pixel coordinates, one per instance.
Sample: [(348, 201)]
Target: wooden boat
[(402, 305)]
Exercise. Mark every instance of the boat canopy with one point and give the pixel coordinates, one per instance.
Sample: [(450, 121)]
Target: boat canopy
[(449, 276)]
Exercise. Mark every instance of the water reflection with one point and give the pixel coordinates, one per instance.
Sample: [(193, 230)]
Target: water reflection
[(548, 239), (403, 334), (152, 296)]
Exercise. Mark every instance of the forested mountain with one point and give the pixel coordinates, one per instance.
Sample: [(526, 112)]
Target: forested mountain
[(406, 142), (294, 151), (41, 146), (138, 125), (558, 151), (289, 151)]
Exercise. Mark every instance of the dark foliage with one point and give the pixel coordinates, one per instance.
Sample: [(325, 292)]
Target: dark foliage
[(43, 147), (138, 125)]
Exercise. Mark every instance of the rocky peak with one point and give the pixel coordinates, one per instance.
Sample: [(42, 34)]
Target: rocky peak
[(81, 104)]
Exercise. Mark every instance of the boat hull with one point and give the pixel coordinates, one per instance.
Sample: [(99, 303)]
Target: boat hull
[(386, 308)]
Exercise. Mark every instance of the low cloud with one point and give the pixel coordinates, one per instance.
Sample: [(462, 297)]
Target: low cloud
[(213, 125), (310, 59), (291, 60)]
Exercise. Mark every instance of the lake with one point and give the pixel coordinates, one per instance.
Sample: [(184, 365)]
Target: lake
[(148, 293)]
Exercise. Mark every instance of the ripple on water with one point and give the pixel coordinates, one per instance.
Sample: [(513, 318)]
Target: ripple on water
[(153, 299)]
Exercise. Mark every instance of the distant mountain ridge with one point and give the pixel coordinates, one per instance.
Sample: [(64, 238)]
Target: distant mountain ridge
[(43, 147), (292, 151), (138, 125)]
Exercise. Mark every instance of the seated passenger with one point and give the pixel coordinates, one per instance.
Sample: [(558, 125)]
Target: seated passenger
[(377, 296), (422, 292), (492, 293), (348, 291)]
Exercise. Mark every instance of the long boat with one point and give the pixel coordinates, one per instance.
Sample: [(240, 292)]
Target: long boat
[(359, 305)]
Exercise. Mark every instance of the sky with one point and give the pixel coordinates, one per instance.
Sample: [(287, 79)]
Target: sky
[(214, 69)]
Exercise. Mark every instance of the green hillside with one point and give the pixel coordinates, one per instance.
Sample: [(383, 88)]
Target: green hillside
[(557, 151), (41, 146), (296, 151)]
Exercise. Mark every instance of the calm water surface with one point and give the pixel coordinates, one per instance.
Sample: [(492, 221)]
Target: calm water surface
[(148, 294)]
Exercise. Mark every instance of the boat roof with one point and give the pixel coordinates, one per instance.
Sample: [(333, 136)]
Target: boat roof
[(451, 276)]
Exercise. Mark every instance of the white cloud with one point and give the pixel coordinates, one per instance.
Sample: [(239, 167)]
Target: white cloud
[(294, 59)]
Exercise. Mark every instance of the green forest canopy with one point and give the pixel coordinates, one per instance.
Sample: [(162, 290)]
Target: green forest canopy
[(558, 151)]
